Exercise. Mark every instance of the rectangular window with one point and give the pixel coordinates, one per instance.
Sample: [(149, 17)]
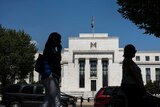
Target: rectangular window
[(148, 75), (156, 58), (157, 74), (81, 73), (137, 58), (40, 90), (93, 68), (147, 58), (31, 75), (105, 72), (13, 88), (93, 85), (28, 89)]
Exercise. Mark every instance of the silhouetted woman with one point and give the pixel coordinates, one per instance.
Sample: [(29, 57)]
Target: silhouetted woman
[(52, 70), (132, 83)]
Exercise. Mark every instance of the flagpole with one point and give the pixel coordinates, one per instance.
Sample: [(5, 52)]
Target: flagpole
[(92, 25)]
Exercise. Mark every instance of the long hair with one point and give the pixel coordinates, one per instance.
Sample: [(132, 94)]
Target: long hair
[(50, 45), (54, 36)]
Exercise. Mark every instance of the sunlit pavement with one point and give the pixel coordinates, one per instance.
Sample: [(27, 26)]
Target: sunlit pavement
[(85, 104)]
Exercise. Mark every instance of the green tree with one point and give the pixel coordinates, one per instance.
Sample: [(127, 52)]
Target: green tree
[(143, 13), (153, 87), (150, 87), (16, 55)]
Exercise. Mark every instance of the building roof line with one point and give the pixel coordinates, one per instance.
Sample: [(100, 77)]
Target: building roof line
[(111, 37)]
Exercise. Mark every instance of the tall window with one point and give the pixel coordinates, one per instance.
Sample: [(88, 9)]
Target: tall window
[(93, 68), (93, 85), (148, 75), (137, 58), (156, 58), (105, 72), (147, 58), (157, 74), (81, 73)]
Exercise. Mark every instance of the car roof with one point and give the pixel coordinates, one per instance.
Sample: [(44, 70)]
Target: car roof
[(110, 86), (9, 85)]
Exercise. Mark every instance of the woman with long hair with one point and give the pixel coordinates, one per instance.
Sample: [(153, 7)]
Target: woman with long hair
[(52, 70)]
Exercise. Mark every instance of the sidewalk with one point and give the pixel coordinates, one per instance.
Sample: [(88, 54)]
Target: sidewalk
[(85, 103)]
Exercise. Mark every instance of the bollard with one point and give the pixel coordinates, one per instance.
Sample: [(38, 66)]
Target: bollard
[(81, 101), (88, 99)]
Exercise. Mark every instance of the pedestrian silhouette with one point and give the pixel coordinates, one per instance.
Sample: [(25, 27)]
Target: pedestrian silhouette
[(52, 70), (132, 83)]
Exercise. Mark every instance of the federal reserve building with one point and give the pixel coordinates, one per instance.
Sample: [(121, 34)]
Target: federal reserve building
[(94, 60)]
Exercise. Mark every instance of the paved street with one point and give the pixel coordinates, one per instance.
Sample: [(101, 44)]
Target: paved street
[(84, 104), (69, 106)]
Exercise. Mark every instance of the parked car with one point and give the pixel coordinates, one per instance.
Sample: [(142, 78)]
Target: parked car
[(112, 96), (105, 96), (68, 99), (26, 95)]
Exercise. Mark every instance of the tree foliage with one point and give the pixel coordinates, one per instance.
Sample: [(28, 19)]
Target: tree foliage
[(16, 55), (143, 13), (153, 87)]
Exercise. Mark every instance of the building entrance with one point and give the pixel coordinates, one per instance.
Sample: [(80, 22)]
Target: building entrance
[(93, 85)]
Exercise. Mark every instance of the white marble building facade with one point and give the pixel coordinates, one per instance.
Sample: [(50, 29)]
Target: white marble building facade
[(92, 61)]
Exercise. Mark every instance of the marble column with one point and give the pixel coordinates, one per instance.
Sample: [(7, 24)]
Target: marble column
[(99, 73), (110, 61), (87, 75)]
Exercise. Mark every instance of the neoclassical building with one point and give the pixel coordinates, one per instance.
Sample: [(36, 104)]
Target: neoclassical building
[(92, 61)]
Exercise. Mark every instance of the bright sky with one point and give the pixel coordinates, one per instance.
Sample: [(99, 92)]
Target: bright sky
[(39, 18)]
